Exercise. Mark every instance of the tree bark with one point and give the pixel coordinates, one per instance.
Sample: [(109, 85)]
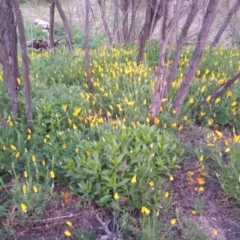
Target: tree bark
[(51, 25), (65, 23), (25, 62), (225, 23), (153, 14), (131, 33), (86, 46), (202, 37), (180, 42), (116, 21), (8, 52), (161, 64), (105, 24), (125, 20)]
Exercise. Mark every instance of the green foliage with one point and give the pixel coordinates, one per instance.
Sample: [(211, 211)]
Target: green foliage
[(228, 173), (107, 165)]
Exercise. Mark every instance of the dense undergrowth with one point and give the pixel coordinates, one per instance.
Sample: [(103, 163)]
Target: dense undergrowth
[(101, 145)]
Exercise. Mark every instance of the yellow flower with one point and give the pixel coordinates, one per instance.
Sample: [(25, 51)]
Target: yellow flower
[(76, 150), (43, 162), (234, 104), (219, 134), (166, 195), (25, 174), (201, 181), (147, 120), (67, 233), (145, 210), (35, 189), (116, 196), (29, 131), (174, 111), (191, 101), (24, 189), (229, 94), (194, 212), (45, 140), (171, 178), (201, 158), (23, 207), (215, 232), (173, 221), (88, 153), (236, 138), (69, 121), (202, 114), (69, 223), (156, 120), (203, 88), (208, 98), (17, 155), (134, 179), (174, 125), (151, 184), (18, 81), (210, 121), (207, 71), (64, 107), (201, 189), (52, 174), (13, 147), (29, 137), (4, 148), (217, 100), (64, 146), (33, 158), (119, 107), (227, 150), (74, 126), (220, 82), (77, 111)]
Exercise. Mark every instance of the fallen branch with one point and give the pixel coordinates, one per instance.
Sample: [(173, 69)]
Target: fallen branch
[(109, 235), (220, 90)]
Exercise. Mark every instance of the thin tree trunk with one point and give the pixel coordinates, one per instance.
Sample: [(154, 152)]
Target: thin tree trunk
[(150, 20), (86, 46), (25, 62), (161, 62), (65, 23), (225, 23), (202, 38), (116, 21), (8, 52), (51, 25), (180, 42), (125, 20), (133, 21), (105, 24)]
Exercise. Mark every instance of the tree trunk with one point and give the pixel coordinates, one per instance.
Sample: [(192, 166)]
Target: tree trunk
[(202, 38), (153, 14), (161, 64), (86, 46), (225, 23), (131, 33), (180, 42), (25, 62), (65, 23), (125, 20), (8, 52), (105, 24), (51, 25), (116, 21)]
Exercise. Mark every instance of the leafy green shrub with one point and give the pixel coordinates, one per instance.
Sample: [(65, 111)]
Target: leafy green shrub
[(123, 161), (228, 174)]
